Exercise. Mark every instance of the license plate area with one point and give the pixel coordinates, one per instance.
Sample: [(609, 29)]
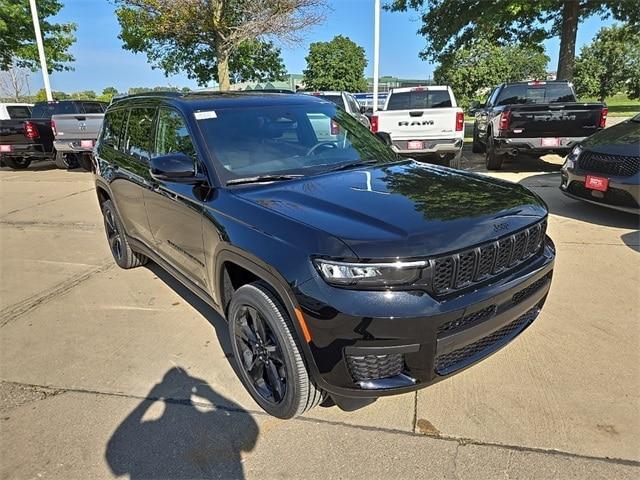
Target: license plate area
[(415, 145), (596, 183), (550, 142), (86, 143)]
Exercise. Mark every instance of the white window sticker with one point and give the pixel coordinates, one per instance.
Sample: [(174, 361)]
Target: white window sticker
[(205, 115)]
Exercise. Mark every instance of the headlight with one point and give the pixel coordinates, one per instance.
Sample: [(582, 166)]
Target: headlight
[(370, 274), (572, 157)]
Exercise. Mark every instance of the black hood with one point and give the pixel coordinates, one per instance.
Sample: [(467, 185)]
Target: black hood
[(621, 139), (403, 210)]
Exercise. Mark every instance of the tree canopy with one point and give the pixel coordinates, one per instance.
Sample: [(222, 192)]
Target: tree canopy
[(336, 65), (471, 71), (230, 39), (18, 41), (448, 25), (609, 64)]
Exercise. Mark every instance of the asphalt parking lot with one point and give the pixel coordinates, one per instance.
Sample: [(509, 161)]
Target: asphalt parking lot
[(108, 373)]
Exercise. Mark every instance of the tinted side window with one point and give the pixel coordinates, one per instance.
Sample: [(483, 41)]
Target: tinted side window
[(337, 99), (542, 93), (172, 135), (138, 138), (113, 127)]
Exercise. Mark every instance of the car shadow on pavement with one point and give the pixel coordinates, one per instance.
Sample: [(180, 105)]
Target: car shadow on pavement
[(475, 162), (180, 431), (547, 185)]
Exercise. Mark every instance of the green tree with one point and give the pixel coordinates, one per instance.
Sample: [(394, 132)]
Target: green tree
[(471, 71), (17, 36), (41, 96), (209, 38), (451, 24), (107, 94), (84, 95), (609, 64), (336, 65)]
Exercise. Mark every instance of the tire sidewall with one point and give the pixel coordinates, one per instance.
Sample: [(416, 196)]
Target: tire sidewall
[(255, 297), (123, 261)]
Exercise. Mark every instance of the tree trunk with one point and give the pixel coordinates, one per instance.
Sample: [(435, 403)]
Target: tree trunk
[(223, 71), (566, 60)]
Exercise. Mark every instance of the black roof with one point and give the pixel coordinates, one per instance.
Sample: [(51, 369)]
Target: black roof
[(211, 99)]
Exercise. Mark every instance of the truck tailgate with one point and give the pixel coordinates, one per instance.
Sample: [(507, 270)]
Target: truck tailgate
[(554, 120), (80, 126), (430, 123)]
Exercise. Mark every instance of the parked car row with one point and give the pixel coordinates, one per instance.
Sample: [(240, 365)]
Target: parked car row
[(64, 131)]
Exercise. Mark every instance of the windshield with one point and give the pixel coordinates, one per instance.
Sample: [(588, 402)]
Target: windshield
[(287, 139), (19, 112), (419, 99)]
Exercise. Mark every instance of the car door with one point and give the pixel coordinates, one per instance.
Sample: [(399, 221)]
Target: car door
[(131, 172), (175, 209)]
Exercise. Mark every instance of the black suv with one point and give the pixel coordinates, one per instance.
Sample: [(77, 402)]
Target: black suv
[(345, 272)]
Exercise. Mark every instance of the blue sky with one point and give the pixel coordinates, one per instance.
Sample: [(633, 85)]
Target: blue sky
[(101, 61)]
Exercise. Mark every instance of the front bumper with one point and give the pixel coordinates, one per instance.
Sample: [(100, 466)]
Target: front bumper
[(622, 194), (431, 146), (534, 144), (420, 340)]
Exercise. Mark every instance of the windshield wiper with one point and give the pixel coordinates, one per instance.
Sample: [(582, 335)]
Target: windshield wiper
[(346, 166), (262, 178)]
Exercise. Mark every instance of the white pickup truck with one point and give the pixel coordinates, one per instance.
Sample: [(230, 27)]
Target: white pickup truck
[(423, 122)]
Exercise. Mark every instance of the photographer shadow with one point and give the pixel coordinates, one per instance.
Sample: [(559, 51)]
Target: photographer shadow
[(182, 429)]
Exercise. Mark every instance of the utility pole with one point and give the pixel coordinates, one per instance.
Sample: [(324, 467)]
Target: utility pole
[(43, 59), (376, 52)]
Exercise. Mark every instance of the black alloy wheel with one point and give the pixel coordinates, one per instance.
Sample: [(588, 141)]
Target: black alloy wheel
[(122, 253), (260, 355)]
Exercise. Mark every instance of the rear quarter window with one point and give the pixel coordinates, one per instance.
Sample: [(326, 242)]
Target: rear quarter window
[(419, 99)]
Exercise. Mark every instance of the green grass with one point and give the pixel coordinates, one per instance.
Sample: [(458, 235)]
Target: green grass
[(619, 105)]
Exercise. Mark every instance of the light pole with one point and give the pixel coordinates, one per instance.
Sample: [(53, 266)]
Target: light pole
[(43, 59), (376, 52)]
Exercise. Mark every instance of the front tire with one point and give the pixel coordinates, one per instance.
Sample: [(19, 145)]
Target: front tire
[(18, 163), (122, 252), (493, 160), (477, 146), (268, 358)]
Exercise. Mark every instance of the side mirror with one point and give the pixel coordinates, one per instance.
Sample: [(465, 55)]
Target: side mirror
[(175, 167), (385, 137), (363, 109), (474, 107)]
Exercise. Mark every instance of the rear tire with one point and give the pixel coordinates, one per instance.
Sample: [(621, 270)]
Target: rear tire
[(267, 355), (493, 160), (84, 160), (65, 161), (17, 163), (477, 146), (120, 248)]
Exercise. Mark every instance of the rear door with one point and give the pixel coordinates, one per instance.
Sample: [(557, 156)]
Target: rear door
[(418, 113), (174, 210), (131, 172)]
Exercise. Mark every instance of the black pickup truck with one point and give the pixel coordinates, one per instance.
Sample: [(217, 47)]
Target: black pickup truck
[(23, 141), (532, 117)]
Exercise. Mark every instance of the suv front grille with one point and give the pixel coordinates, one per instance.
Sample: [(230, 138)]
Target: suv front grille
[(450, 362), (618, 165), (372, 367), (467, 320), (454, 272)]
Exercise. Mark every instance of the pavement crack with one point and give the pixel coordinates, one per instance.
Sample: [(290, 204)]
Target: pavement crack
[(12, 312), (21, 224), (460, 441), (455, 461), (46, 202), (415, 411)]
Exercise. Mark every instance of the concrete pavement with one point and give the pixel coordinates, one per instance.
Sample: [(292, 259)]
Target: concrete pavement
[(110, 373)]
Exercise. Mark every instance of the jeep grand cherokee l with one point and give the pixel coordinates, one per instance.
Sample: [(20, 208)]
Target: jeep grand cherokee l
[(343, 270)]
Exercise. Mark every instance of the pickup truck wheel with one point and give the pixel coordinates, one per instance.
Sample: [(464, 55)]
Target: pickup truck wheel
[(65, 160), (84, 160), (477, 146), (17, 163), (267, 356), (122, 253), (493, 160)]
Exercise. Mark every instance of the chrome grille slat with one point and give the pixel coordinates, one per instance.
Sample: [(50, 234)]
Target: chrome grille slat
[(456, 271)]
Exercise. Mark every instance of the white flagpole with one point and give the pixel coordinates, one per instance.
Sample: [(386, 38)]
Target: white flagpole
[(43, 59), (376, 52)]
